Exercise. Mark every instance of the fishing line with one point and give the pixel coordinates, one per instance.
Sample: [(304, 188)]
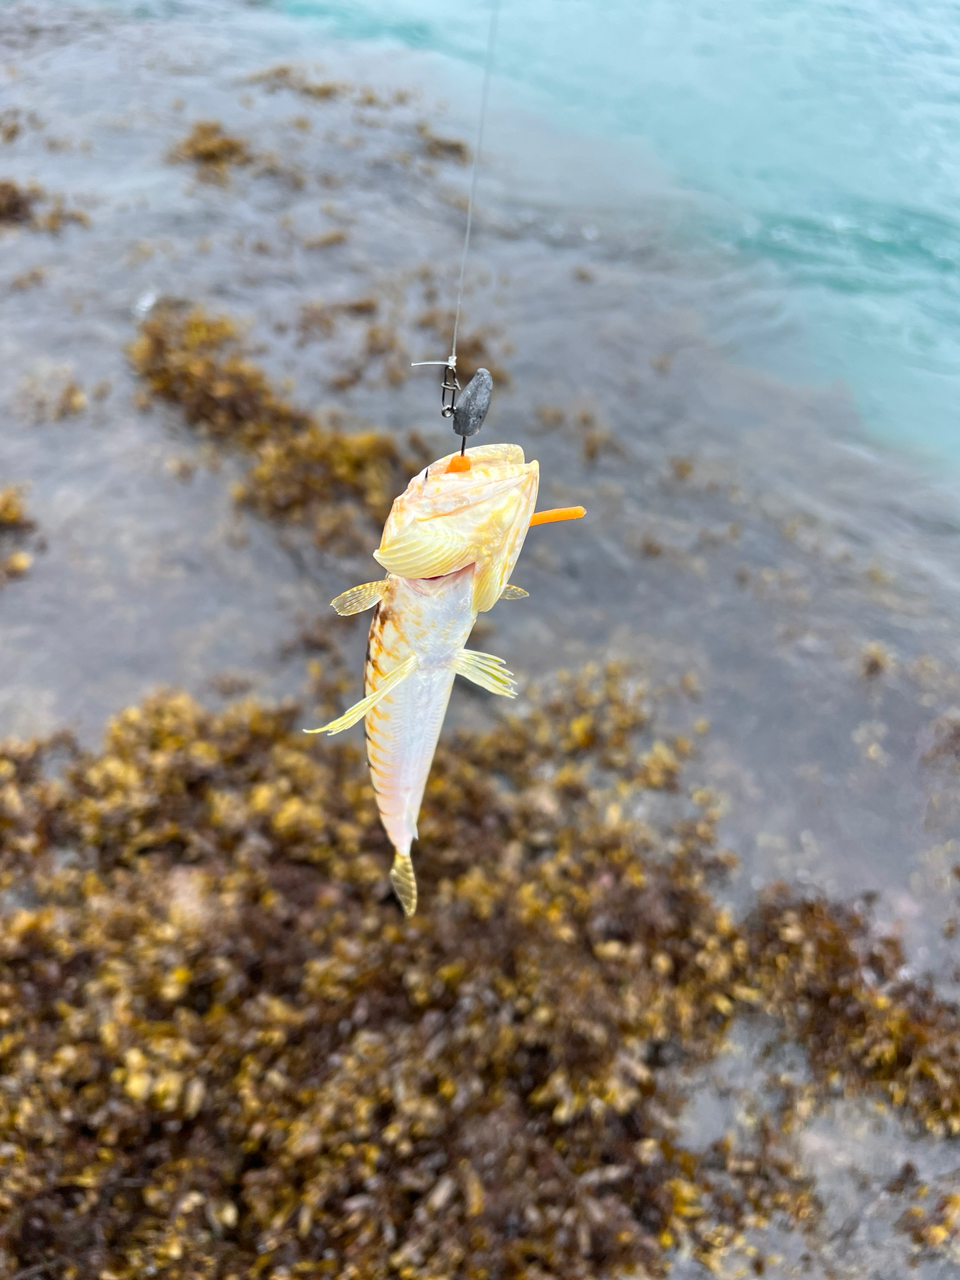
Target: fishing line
[(450, 386), (484, 96)]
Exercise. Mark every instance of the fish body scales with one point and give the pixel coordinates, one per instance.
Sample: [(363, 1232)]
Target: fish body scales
[(431, 620)]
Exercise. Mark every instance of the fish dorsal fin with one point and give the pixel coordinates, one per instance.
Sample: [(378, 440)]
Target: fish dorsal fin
[(487, 671), (359, 598), (511, 592), (360, 709)]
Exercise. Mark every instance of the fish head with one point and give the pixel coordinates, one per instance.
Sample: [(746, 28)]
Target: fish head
[(449, 518)]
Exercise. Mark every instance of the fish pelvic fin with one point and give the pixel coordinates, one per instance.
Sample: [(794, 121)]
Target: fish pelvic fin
[(359, 598), (360, 709), (404, 881), (487, 671), (509, 592)]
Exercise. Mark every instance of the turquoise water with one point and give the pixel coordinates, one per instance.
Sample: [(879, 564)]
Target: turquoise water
[(823, 137)]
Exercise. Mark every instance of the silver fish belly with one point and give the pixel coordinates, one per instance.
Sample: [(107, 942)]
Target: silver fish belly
[(429, 619)]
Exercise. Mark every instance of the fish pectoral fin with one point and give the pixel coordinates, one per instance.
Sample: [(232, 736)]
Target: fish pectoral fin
[(511, 592), (359, 598), (486, 670), (360, 709)]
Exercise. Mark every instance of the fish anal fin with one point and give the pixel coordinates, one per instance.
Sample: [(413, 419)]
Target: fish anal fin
[(487, 671), (404, 882), (511, 592), (360, 709), (359, 598)]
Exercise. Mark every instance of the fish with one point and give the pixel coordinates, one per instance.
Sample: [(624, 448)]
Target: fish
[(449, 546)]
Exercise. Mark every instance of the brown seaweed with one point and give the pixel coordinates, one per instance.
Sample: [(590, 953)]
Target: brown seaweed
[(18, 207), (226, 1054), (294, 79), (439, 148), (212, 151), (305, 469), (15, 523), (17, 203)]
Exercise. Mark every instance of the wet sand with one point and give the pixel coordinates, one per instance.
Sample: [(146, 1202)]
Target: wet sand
[(789, 590)]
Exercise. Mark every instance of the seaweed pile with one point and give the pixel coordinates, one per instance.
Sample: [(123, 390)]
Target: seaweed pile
[(17, 203), (18, 208), (295, 79), (224, 1053), (444, 148), (211, 151), (15, 523), (305, 469)]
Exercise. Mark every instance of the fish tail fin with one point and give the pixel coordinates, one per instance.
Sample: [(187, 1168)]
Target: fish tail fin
[(404, 881)]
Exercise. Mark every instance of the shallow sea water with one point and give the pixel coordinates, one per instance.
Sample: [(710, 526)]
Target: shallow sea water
[(811, 146), (743, 545)]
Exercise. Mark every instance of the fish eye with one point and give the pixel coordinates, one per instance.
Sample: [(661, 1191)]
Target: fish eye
[(426, 474)]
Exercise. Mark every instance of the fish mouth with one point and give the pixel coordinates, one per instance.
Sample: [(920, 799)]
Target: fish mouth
[(433, 586)]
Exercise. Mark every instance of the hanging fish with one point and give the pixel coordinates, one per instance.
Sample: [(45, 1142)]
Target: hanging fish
[(449, 546)]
